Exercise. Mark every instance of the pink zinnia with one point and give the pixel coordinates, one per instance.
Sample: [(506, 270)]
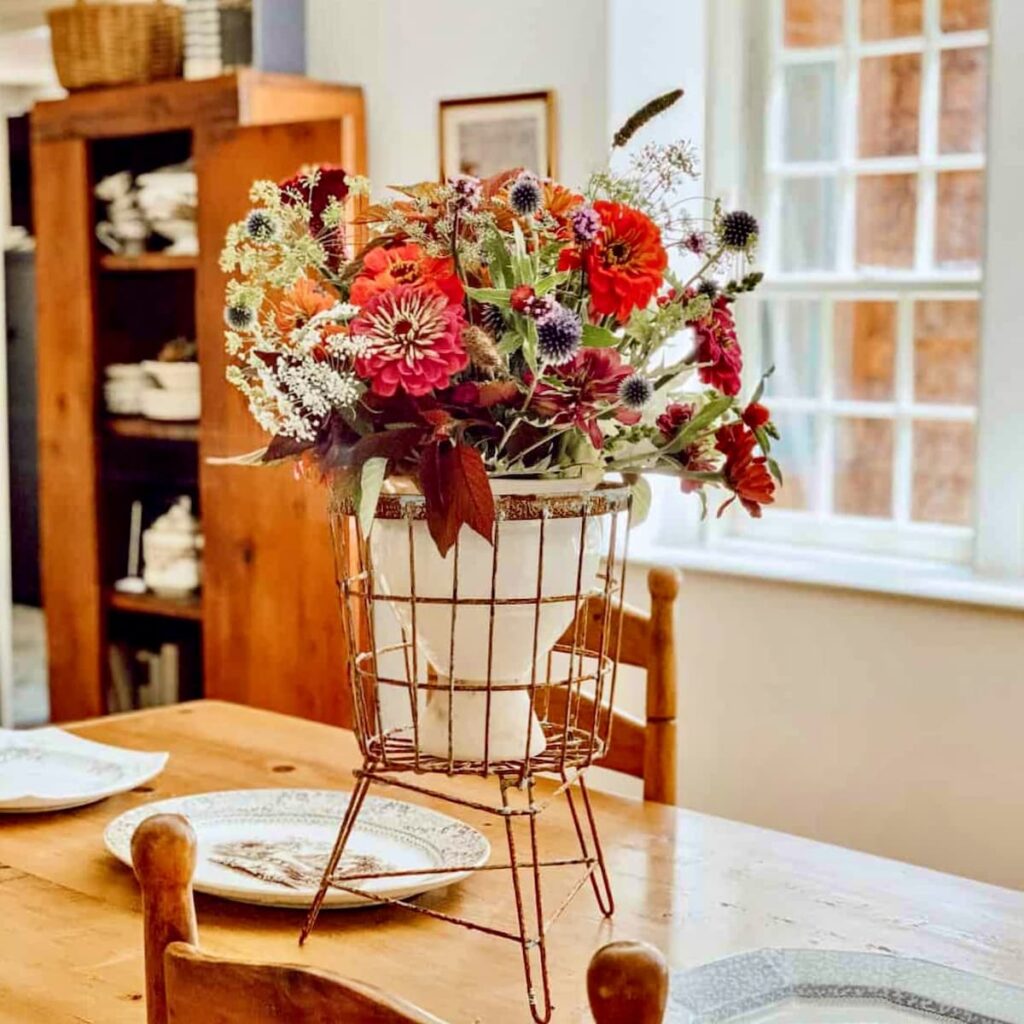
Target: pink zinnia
[(413, 342)]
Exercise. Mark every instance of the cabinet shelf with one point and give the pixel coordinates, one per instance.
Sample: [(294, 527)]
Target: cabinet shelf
[(153, 430), (190, 608), (148, 261)]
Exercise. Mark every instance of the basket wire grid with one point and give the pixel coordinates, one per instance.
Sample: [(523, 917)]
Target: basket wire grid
[(570, 684)]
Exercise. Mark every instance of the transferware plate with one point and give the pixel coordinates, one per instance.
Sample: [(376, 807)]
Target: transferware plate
[(270, 846)]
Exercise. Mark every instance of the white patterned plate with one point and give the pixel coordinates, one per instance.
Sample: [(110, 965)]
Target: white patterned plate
[(52, 770), (812, 986), (269, 846)]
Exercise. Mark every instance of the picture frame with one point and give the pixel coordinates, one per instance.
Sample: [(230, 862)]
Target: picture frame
[(482, 135)]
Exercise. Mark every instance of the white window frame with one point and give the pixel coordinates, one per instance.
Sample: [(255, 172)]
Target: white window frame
[(922, 561)]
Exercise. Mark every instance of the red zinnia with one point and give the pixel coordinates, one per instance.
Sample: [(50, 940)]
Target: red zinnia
[(745, 474), (413, 339), (718, 350), (383, 269), (625, 264), (589, 384)]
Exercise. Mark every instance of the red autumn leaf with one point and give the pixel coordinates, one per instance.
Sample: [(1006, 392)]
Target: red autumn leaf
[(457, 493)]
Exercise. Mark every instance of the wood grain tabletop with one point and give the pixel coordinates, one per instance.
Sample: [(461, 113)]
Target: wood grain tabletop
[(696, 886)]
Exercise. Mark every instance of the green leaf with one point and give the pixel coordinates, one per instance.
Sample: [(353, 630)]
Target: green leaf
[(598, 337), (640, 489), (530, 345), (496, 296), (371, 479), (714, 409), (510, 342), (759, 390), (498, 259), (546, 284), (775, 470), (762, 440)]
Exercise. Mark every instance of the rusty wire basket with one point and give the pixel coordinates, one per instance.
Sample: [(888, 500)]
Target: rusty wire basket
[(105, 44), (487, 662)]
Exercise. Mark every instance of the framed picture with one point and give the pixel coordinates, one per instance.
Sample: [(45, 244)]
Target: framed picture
[(487, 134)]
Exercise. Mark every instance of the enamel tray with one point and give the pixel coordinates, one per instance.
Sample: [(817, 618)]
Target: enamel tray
[(269, 846), (52, 770)]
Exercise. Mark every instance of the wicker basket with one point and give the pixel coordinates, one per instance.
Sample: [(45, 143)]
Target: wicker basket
[(97, 44)]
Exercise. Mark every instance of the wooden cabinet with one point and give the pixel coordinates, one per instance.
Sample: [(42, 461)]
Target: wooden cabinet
[(267, 621)]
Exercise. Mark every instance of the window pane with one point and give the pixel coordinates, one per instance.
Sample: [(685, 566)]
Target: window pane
[(865, 350), (890, 98), (814, 22), (809, 218), (943, 489), (810, 132), (964, 15), (963, 108), (959, 216), (946, 352), (863, 467), (887, 19), (795, 453), (886, 215), (792, 344)]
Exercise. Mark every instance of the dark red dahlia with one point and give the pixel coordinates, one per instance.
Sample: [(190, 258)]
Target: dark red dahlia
[(588, 384), (756, 415), (673, 419)]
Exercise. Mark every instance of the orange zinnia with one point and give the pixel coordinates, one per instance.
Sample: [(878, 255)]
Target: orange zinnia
[(384, 269), (625, 264), (302, 302)]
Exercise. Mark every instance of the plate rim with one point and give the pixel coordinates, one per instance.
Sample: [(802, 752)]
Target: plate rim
[(140, 766), (279, 897)]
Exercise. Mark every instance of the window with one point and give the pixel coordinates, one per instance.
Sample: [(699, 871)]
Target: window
[(869, 118)]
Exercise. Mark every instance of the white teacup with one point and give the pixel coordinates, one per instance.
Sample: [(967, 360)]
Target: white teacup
[(126, 238)]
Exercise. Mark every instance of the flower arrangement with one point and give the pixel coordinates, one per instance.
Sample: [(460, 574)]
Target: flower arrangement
[(508, 327)]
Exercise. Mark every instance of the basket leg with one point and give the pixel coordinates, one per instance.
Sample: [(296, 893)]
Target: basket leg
[(540, 1002), (585, 824), (344, 831)]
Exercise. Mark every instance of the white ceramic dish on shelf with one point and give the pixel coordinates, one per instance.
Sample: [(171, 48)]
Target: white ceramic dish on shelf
[(269, 846), (173, 376), (52, 770), (179, 405)]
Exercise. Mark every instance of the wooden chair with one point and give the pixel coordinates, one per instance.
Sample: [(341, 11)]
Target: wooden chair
[(645, 749), (625, 982)]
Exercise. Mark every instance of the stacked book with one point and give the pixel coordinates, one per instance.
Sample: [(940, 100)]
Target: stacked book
[(202, 39)]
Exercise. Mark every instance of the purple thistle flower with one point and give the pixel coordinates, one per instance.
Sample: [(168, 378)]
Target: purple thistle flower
[(524, 195), (695, 242), (586, 223), (540, 307), (635, 391), (558, 336)]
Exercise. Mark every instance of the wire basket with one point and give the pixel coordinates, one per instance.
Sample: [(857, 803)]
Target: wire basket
[(104, 44), (480, 661)]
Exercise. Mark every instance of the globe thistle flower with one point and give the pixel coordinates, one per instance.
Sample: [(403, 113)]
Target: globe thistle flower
[(480, 348), (737, 230), (468, 191), (524, 194), (260, 226), (240, 318), (558, 336), (635, 391), (586, 223), (492, 319)]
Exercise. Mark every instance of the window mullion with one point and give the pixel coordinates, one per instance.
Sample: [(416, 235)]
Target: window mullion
[(903, 456)]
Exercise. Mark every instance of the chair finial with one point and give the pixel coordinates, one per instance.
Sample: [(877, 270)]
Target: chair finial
[(164, 851), (627, 981), (663, 583)]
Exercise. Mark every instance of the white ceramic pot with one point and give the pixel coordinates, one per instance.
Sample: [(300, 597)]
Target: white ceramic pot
[(512, 649)]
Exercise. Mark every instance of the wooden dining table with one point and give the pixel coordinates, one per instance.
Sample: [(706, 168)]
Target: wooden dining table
[(696, 886)]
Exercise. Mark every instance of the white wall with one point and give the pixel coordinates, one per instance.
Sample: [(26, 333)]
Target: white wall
[(407, 55)]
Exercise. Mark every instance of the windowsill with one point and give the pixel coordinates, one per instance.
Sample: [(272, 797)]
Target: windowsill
[(936, 581)]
